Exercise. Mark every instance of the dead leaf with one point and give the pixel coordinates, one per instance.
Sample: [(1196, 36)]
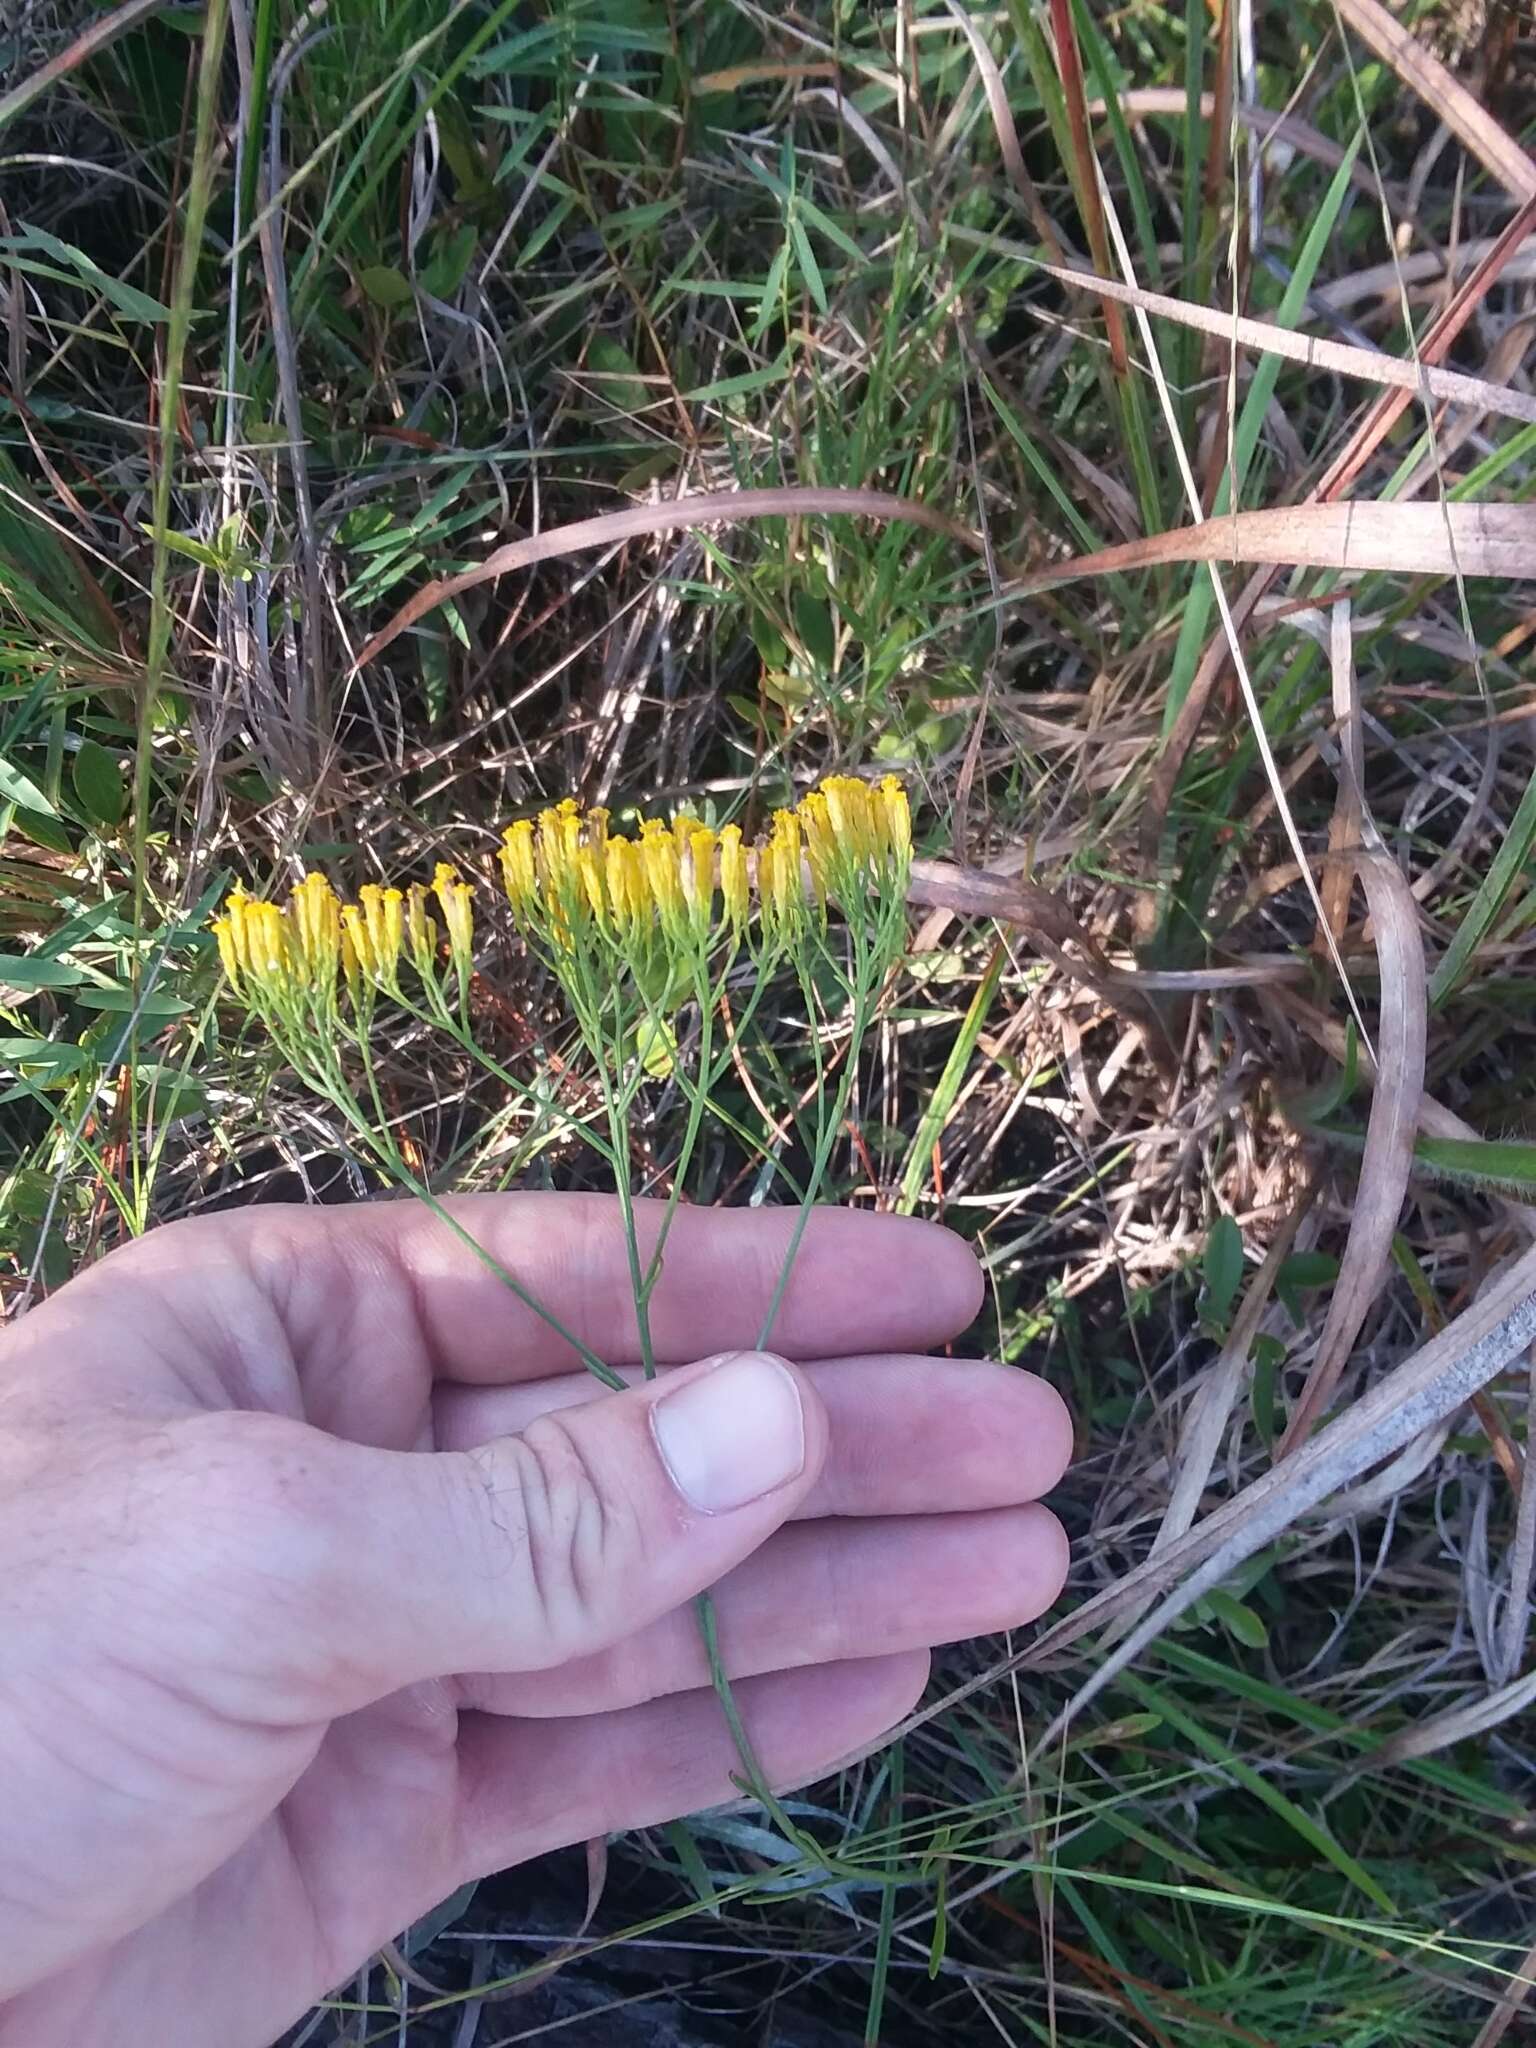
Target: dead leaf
[(1441, 89), (1418, 540)]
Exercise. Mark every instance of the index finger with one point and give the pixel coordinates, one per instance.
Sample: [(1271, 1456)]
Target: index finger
[(860, 1282)]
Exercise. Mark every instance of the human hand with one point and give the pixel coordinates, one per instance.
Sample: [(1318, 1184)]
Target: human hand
[(328, 1581)]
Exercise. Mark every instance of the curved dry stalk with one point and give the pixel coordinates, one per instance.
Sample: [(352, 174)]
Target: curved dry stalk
[(1051, 925), (1390, 1132), (1313, 351), (705, 508), (1200, 1438)]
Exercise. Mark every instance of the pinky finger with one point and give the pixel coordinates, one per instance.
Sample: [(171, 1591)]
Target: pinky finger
[(530, 1786)]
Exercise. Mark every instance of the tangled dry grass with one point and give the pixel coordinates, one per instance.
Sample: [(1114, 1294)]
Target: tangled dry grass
[(1121, 423)]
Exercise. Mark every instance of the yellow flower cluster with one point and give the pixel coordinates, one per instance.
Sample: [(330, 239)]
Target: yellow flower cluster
[(659, 898), (567, 876), (567, 873), (280, 956)]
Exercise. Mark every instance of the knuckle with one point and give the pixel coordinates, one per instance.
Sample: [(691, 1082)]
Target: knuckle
[(576, 1529)]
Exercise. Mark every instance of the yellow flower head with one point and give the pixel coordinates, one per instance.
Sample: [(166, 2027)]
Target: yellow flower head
[(358, 941), (696, 867), (455, 899), (589, 879), (895, 817), (780, 878), (814, 816), (273, 955), (519, 871), (734, 887), (315, 919), (384, 917), (559, 837), (422, 929), (624, 885), (354, 967), (663, 879), (848, 813), (229, 954), (858, 840)]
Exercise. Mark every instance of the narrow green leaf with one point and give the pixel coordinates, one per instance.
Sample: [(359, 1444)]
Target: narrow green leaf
[(810, 270), (1267, 1354), (880, 1970), (692, 1864), (126, 297), (942, 1101), (773, 287), (1250, 421), (123, 1000), (54, 1056), (28, 970), (1509, 865), (1301, 1824), (738, 387), (1491, 1163), (16, 788), (828, 227)]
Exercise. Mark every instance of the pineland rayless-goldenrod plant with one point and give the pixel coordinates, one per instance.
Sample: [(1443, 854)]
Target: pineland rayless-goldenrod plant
[(638, 930)]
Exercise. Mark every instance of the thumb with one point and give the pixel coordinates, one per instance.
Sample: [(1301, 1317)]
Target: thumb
[(538, 1548)]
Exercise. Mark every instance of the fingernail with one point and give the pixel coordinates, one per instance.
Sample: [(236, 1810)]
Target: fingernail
[(733, 1434)]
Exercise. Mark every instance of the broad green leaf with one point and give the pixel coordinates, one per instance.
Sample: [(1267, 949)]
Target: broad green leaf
[(99, 784), (813, 622), (386, 285), (444, 270), (1223, 1268), (616, 373), (43, 828), (1300, 1271), (1239, 1621)]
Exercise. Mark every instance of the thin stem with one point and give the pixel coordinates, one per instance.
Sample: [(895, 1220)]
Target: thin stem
[(438, 1014), (826, 1137), (385, 1150)]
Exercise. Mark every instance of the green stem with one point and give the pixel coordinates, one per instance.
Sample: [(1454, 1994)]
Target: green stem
[(383, 1147), (442, 1017), (826, 1138)]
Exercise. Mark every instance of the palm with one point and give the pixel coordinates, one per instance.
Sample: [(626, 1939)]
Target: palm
[(275, 1811)]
